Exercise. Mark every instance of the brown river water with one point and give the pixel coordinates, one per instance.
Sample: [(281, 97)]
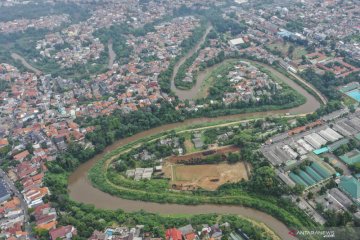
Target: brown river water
[(81, 190)]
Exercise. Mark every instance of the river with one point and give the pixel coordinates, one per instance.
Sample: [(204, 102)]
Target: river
[(191, 93), (81, 190)]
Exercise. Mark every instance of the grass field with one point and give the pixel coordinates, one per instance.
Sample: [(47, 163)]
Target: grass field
[(189, 145), (211, 76), (207, 176), (283, 48)]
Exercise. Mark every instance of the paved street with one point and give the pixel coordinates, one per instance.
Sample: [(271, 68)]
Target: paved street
[(16, 192)]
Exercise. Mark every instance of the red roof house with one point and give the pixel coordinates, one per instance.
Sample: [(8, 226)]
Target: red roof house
[(173, 234), (64, 232)]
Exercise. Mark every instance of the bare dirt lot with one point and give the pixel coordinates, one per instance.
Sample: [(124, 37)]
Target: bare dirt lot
[(208, 176), (203, 154)]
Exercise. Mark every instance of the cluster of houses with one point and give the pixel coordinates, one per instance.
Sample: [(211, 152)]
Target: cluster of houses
[(314, 28), (173, 142), (47, 22), (12, 216), (249, 83), (34, 128), (204, 55), (187, 232), (38, 111), (322, 63), (77, 43)]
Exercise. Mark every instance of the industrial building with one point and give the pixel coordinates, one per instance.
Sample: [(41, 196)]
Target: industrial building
[(351, 157), (351, 187), (313, 174)]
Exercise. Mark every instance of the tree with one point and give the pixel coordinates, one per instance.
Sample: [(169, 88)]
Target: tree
[(353, 208), (355, 167), (298, 189), (233, 158), (352, 108), (322, 190), (120, 167), (310, 195), (291, 50), (42, 233), (264, 181)]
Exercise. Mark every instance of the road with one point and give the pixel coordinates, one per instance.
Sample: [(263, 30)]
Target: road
[(112, 54), (22, 201)]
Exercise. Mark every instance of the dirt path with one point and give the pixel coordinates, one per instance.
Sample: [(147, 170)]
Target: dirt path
[(25, 63), (112, 54)]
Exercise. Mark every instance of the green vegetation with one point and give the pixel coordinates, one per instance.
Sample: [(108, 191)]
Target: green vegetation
[(295, 26), (24, 43), (4, 85), (34, 11), (220, 25), (242, 194), (187, 45), (87, 218), (355, 167), (286, 98), (287, 49)]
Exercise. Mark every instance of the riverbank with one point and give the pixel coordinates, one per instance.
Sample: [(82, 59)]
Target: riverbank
[(103, 200), (98, 176), (182, 94), (81, 190)]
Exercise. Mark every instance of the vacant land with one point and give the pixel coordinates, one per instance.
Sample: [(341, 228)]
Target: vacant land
[(203, 154), (189, 146), (284, 49), (208, 176)]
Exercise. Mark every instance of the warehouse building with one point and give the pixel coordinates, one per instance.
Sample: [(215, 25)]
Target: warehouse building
[(351, 157), (312, 175), (330, 135), (332, 147), (351, 187), (315, 140), (305, 145), (340, 198)]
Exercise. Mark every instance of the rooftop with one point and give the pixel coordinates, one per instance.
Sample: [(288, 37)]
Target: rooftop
[(350, 186)]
